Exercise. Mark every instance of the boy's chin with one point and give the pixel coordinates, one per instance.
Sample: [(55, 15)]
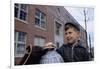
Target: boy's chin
[(70, 43)]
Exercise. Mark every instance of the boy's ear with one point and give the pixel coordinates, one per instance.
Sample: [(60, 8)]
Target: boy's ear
[(79, 34)]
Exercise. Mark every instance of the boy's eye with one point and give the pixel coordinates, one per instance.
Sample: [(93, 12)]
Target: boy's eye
[(70, 32), (65, 33)]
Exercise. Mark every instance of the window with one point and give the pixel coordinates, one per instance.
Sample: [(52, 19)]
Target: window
[(40, 19), (58, 11), (57, 44), (58, 27), (38, 41), (21, 11), (20, 42), (16, 10)]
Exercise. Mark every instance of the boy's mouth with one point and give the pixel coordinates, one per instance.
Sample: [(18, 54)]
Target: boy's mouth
[(69, 39)]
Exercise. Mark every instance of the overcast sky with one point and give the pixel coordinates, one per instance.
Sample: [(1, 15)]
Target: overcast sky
[(78, 14)]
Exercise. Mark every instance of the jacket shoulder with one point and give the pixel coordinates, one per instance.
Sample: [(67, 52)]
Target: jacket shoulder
[(61, 48), (81, 47)]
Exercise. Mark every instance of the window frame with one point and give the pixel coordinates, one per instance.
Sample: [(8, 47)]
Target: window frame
[(40, 41), (56, 29), (16, 42), (19, 11), (40, 13)]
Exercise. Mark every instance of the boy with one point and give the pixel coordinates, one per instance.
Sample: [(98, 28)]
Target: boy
[(72, 51)]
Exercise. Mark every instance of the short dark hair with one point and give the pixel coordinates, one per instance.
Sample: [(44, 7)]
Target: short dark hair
[(71, 25)]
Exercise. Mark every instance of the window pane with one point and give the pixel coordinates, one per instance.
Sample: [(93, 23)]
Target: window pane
[(42, 16), (21, 37), (15, 36), (43, 24), (37, 13), (57, 44), (24, 7), (57, 31), (16, 12), (58, 27), (42, 42), (22, 15), (20, 41), (14, 49), (37, 21), (36, 41), (17, 5), (20, 48)]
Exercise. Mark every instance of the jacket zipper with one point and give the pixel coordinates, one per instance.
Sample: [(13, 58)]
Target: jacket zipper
[(72, 54)]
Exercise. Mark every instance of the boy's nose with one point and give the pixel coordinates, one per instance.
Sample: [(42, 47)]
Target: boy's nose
[(67, 35)]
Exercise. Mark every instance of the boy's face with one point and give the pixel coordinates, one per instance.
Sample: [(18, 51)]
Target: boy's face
[(72, 35)]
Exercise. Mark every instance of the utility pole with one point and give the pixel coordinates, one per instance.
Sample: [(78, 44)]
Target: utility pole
[(90, 42), (85, 20)]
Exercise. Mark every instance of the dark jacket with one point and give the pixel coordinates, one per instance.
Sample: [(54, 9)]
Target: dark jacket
[(73, 54)]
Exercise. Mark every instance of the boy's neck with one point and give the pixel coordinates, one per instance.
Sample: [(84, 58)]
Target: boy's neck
[(73, 44)]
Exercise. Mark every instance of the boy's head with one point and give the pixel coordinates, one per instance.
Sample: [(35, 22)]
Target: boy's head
[(72, 33)]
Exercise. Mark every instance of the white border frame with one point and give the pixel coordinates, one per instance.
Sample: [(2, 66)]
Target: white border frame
[(12, 35), (47, 2)]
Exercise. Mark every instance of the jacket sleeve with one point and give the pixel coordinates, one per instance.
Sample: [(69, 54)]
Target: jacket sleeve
[(60, 51), (86, 55)]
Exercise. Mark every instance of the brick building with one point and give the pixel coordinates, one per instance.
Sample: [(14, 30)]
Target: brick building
[(38, 24)]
